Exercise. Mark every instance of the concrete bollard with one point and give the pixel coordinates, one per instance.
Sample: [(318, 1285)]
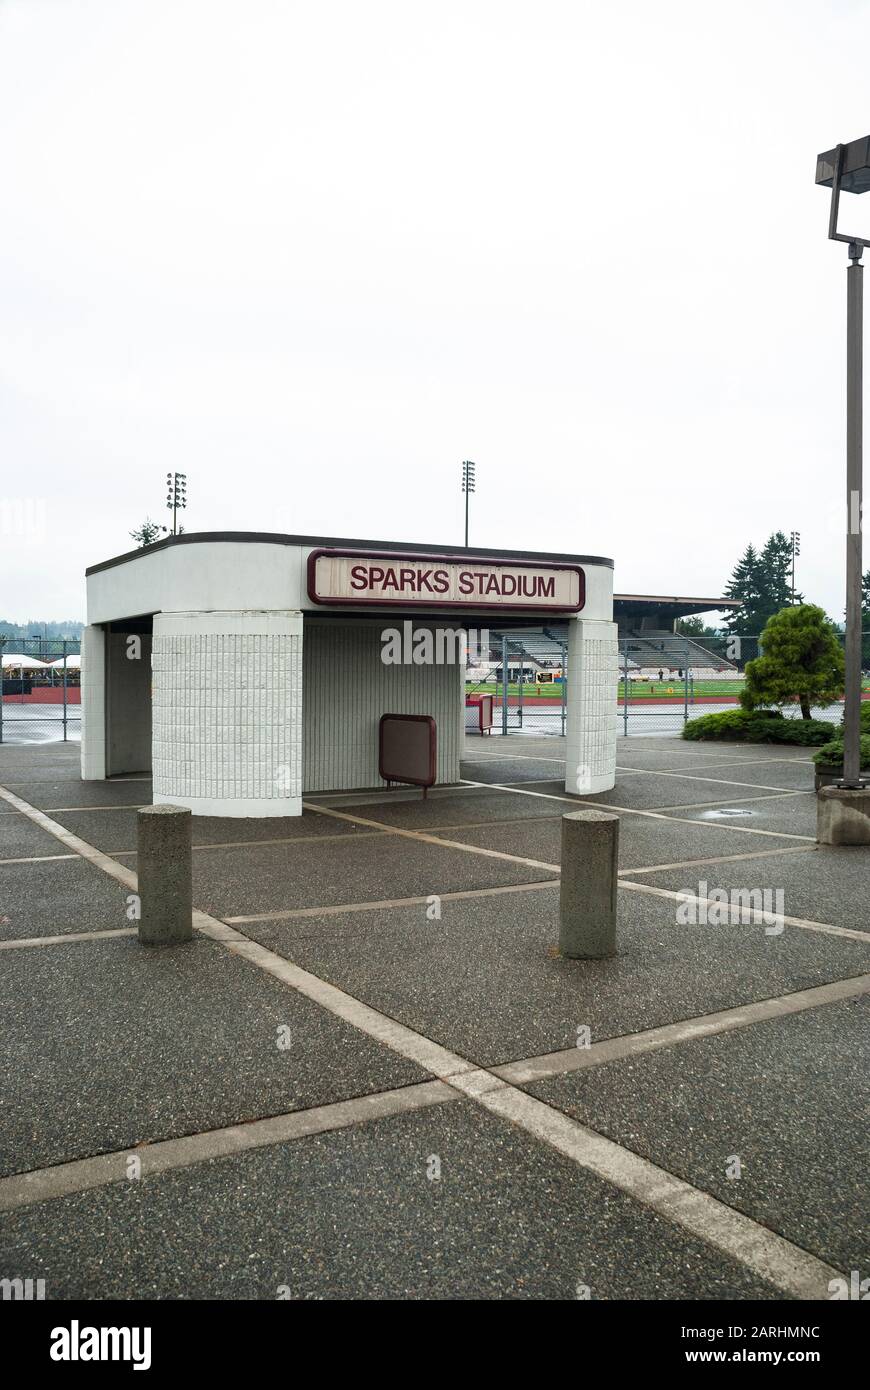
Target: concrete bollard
[(165, 875), (587, 897)]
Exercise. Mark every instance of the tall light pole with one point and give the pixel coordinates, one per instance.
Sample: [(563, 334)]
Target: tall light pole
[(467, 487), (176, 496), (847, 168), (795, 551)]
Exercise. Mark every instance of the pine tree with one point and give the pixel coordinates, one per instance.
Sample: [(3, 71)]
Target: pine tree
[(694, 627), (148, 532), (761, 581), (775, 565), (744, 585)]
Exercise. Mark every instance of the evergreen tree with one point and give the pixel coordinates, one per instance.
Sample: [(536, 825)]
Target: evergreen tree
[(694, 627), (761, 581), (745, 586), (148, 532), (775, 565)]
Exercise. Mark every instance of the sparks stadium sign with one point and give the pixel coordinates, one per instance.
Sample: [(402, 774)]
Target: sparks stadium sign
[(346, 577)]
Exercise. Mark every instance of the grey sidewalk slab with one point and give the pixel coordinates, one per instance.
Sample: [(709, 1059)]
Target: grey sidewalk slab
[(699, 757), (111, 1044), (650, 791), (460, 809), (551, 745), (490, 769), (830, 885), (57, 898), (483, 979), (653, 840), (46, 795), (352, 1214), (792, 815), (38, 761), (789, 1097), (19, 836), (792, 775), (643, 841), (752, 755), (262, 878), (116, 830), (551, 786)]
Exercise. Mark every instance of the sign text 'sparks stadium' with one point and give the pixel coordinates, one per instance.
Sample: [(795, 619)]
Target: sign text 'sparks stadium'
[(439, 581)]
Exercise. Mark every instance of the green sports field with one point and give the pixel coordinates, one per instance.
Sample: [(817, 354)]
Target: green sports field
[(638, 690)]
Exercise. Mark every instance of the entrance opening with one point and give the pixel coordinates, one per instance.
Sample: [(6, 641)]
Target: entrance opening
[(128, 695)]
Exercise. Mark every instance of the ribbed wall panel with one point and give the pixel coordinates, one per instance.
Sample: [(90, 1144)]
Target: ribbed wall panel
[(593, 672), (345, 690)]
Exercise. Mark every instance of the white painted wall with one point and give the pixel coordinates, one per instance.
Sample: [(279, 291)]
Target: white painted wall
[(93, 697), (200, 577), (207, 575)]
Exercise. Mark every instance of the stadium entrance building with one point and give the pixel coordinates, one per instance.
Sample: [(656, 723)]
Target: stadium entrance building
[(245, 670)]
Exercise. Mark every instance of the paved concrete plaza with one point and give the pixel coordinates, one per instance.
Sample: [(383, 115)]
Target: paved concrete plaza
[(371, 1075)]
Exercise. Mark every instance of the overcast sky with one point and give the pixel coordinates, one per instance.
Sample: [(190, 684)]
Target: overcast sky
[(315, 254)]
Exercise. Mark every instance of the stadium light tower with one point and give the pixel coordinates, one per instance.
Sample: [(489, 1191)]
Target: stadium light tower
[(467, 487), (176, 496), (846, 168), (795, 551)]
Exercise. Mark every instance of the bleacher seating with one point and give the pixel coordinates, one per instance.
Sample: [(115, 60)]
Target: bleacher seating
[(652, 650)]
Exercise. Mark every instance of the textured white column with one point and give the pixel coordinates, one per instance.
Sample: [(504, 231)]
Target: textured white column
[(93, 697), (227, 712), (590, 764)]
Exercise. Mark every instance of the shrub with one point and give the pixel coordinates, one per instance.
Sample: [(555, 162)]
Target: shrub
[(832, 751), (758, 726), (864, 717)]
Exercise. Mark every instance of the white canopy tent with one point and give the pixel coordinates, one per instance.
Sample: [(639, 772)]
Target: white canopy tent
[(16, 661)]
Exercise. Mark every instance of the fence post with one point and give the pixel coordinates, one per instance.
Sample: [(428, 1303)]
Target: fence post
[(503, 685), (625, 686), (64, 690), (520, 685), (686, 686)]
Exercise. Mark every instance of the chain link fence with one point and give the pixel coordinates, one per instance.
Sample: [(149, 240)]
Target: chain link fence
[(41, 689), (665, 679), (527, 678)]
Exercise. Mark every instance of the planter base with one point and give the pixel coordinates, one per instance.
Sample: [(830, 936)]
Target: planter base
[(843, 816), (829, 773)]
